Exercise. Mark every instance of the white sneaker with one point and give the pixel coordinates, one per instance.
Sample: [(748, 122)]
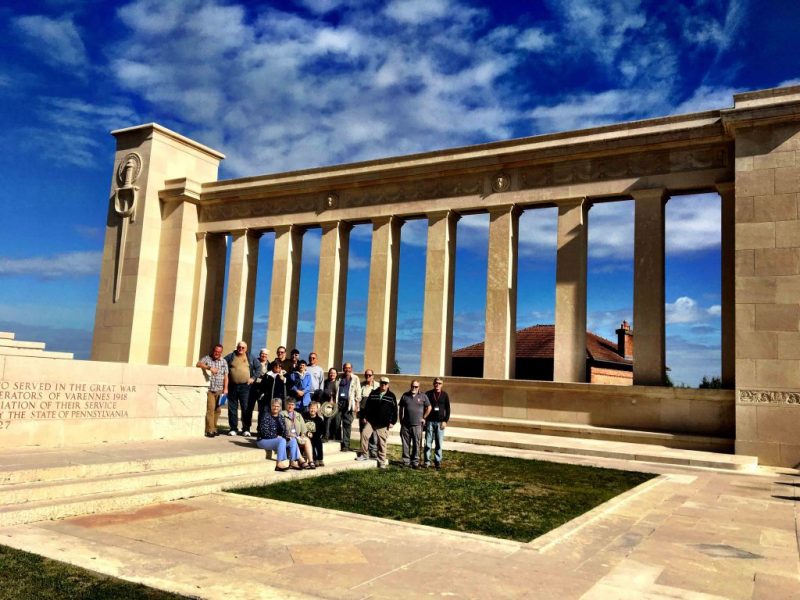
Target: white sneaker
[(246, 433), (232, 432)]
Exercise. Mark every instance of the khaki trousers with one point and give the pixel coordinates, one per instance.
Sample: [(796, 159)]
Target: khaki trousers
[(382, 434), (212, 411)]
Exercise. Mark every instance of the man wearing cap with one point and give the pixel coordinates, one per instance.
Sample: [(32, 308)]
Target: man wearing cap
[(437, 422), (380, 414), (414, 408), (366, 389)]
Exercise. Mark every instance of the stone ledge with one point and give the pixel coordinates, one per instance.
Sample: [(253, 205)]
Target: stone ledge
[(670, 440)]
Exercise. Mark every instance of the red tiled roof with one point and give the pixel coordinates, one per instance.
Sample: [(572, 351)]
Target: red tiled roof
[(539, 342)]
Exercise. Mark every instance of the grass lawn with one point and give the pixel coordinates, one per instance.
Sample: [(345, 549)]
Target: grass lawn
[(24, 576), (509, 498)]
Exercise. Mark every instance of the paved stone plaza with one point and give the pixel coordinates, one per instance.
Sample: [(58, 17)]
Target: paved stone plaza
[(690, 533)]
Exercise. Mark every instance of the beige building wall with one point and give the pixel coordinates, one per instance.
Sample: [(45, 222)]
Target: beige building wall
[(149, 280), (767, 285)]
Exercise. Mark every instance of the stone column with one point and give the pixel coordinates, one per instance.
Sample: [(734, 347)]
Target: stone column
[(379, 344), (649, 363), (210, 277), (569, 362), (331, 293), (176, 291), (727, 194), (285, 290), (437, 319), (129, 292), (500, 345), (240, 301)]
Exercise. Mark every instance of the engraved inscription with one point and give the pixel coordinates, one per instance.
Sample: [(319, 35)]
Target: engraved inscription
[(44, 400)]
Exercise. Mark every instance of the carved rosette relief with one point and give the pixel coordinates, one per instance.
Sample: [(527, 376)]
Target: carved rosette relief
[(501, 182), (768, 397), (331, 201), (125, 196)]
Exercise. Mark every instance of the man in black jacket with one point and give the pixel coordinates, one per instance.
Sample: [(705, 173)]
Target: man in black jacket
[(436, 423), (380, 414)]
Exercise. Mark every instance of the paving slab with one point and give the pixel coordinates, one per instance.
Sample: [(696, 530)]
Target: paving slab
[(690, 533)]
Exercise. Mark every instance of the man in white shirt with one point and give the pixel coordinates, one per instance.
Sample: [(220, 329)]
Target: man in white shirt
[(316, 372)]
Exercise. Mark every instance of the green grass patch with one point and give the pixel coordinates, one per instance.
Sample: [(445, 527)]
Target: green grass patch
[(24, 576), (510, 498)]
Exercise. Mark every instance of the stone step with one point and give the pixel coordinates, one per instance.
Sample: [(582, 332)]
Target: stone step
[(22, 493), (118, 459), (12, 343), (603, 449), (550, 428), (83, 495), (35, 353), (6, 335)]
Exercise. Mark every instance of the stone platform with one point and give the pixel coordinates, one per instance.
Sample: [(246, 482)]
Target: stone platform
[(690, 533)]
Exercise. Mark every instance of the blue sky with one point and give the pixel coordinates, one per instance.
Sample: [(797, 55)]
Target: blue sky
[(294, 84)]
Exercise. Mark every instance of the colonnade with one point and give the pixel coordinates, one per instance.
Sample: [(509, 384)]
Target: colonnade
[(649, 366)]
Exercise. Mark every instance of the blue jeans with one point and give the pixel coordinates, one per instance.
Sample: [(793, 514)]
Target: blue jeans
[(433, 431), (279, 446), (238, 393)]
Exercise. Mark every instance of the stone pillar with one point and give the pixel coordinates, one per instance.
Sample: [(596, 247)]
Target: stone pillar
[(569, 360), (727, 194), (437, 319), (285, 290), (240, 300), (649, 364), (379, 343), (176, 291), (500, 347), (129, 293), (210, 277), (331, 293)]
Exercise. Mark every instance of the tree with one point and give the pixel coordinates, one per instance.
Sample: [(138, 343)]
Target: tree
[(396, 368), (715, 383)]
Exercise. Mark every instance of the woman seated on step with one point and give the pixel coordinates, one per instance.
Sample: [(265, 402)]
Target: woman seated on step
[(296, 431), (272, 436)]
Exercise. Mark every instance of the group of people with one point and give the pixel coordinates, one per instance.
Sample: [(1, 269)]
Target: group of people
[(290, 392)]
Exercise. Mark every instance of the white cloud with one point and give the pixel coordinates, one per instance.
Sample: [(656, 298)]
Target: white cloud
[(73, 130), (702, 27), (707, 98), (591, 109), (692, 223), (414, 12), (65, 265), (323, 6), (57, 41), (687, 310), (274, 105), (534, 40)]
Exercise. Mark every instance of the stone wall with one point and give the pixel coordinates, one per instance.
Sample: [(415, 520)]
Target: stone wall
[(52, 403), (674, 410), (768, 293)]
